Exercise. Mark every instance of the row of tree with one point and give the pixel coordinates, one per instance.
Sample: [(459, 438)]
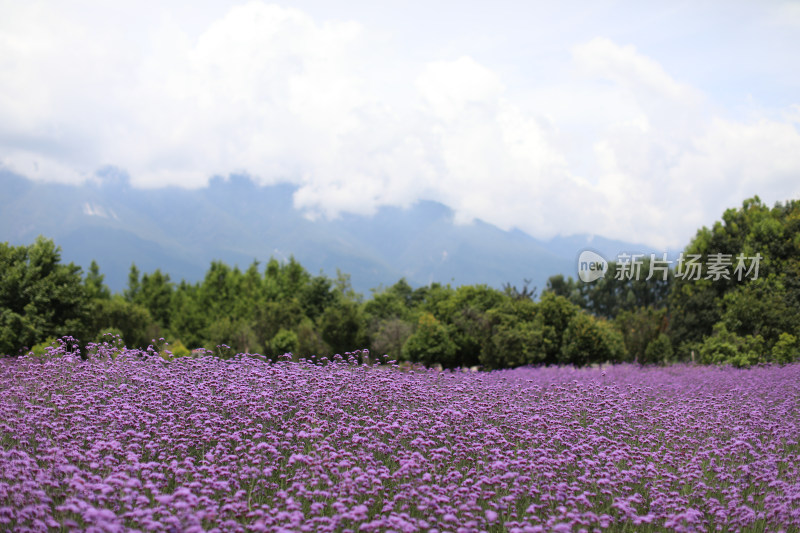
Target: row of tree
[(283, 308), (718, 315)]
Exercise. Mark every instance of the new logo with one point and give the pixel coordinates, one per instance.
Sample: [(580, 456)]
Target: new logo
[(591, 266)]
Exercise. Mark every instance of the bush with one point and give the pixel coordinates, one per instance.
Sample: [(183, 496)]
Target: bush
[(513, 345), (44, 348), (727, 348), (285, 341), (786, 350), (430, 343), (658, 351), (588, 340), (178, 349), (640, 327)]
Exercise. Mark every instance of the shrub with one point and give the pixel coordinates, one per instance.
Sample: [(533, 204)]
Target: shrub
[(726, 347), (430, 343), (659, 350), (786, 350), (285, 341)]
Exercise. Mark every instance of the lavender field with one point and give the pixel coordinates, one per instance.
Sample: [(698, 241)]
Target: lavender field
[(130, 443)]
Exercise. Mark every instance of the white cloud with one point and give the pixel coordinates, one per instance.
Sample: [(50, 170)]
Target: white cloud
[(608, 141), (37, 166), (449, 88), (639, 75), (734, 160)]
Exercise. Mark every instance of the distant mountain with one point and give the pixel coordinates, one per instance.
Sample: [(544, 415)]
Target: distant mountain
[(181, 231)]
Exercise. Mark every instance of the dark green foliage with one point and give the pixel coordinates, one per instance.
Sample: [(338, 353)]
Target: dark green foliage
[(568, 288), (464, 310), (155, 295), (619, 290), (342, 326), (95, 288), (309, 341), (740, 321), (315, 296), (586, 341), (389, 336), (272, 316), (282, 308), (726, 347), (39, 297), (132, 292), (132, 320), (387, 304), (431, 343), (787, 349), (188, 320), (760, 307), (285, 341), (516, 294), (639, 328), (232, 332), (658, 351), (554, 314), (693, 311), (515, 338)]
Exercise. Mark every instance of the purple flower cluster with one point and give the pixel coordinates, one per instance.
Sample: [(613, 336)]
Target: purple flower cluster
[(200, 444)]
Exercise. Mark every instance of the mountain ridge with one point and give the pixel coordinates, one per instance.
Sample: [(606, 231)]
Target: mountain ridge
[(237, 221)]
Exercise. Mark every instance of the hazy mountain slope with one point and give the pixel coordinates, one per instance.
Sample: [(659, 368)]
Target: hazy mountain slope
[(234, 220)]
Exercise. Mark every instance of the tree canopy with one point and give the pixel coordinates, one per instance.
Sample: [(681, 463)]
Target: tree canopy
[(279, 307)]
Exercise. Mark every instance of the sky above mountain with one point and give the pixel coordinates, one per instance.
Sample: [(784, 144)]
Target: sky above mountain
[(639, 121)]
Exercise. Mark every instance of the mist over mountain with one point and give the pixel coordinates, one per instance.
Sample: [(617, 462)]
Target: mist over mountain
[(234, 220)]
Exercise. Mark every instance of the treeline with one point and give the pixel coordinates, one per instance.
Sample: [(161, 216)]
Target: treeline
[(278, 308), (718, 312)]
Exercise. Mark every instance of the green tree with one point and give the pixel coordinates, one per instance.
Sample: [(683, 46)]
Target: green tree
[(285, 341), (315, 296), (132, 320), (586, 341), (553, 316), (95, 288), (786, 350), (430, 343), (275, 315), (388, 318), (309, 341), (734, 307), (514, 337), (728, 348), (342, 326), (640, 327), (188, 321), (232, 332), (516, 294), (760, 307), (626, 287), (283, 281), (217, 294), (385, 305), (132, 291), (186, 317), (694, 309), (344, 288), (464, 312), (572, 290), (390, 337), (659, 350), (40, 298), (249, 288), (155, 295)]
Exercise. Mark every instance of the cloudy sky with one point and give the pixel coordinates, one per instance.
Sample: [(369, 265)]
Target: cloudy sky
[(633, 120)]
